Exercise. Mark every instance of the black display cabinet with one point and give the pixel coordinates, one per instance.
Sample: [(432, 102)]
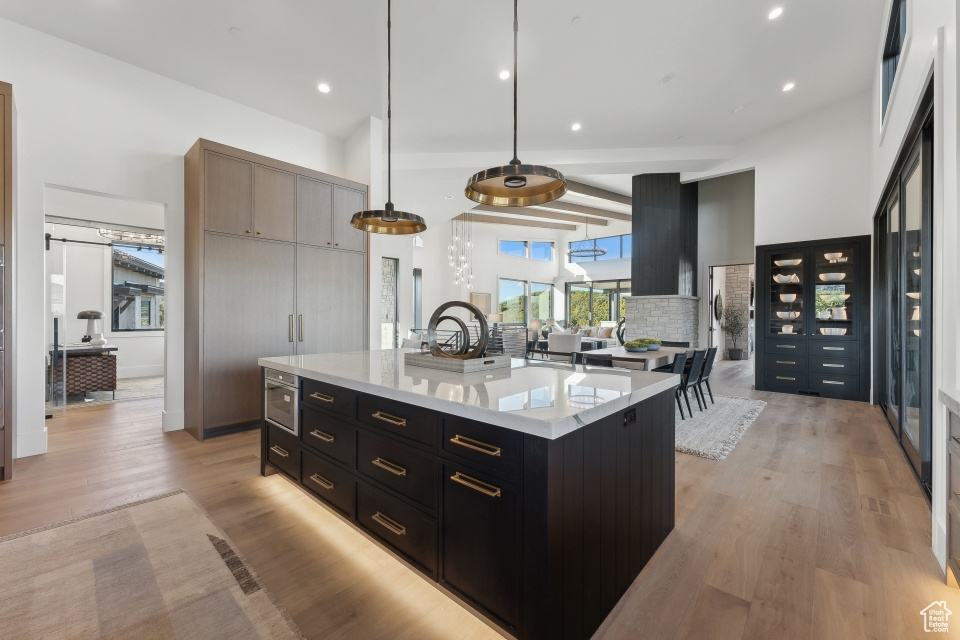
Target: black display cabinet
[(813, 318)]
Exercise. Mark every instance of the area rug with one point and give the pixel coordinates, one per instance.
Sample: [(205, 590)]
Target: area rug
[(715, 432), (127, 389), (153, 569)]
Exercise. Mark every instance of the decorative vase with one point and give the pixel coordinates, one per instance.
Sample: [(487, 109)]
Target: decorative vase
[(653, 347), (736, 354), (636, 349)]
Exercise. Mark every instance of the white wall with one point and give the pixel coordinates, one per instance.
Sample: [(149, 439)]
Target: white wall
[(931, 47), (95, 123), (725, 218), (88, 286), (812, 175)]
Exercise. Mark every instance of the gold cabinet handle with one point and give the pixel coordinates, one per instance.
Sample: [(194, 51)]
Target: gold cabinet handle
[(291, 328), (280, 452), (389, 524), (248, 230), (394, 420), (786, 346), (786, 362), (476, 445), (835, 366), (786, 378), (834, 349), (258, 233), (326, 437), (322, 397), (476, 485), (833, 382), (323, 482), (386, 465)]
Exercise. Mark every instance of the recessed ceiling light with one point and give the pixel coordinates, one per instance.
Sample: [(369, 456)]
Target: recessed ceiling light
[(323, 87), (667, 78), (775, 13), (679, 137), (504, 75), (575, 21), (738, 109), (789, 86), (448, 197), (234, 31), (575, 127)]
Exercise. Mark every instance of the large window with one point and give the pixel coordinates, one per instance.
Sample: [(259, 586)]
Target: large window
[(532, 250), (617, 247), (516, 248), (513, 300), (892, 48), (138, 282), (542, 251), (541, 301), (591, 303)]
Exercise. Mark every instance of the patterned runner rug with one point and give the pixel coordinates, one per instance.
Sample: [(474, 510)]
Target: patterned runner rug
[(153, 569), (715, 432)]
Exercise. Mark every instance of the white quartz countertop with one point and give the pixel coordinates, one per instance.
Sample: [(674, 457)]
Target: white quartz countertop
[(542, 398)]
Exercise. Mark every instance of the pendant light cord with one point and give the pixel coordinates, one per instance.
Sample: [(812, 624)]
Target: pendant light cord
[(516, 29), (389, 115)]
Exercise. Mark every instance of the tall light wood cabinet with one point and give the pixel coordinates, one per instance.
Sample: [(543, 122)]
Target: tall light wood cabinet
[(7, 204), (273, 268)]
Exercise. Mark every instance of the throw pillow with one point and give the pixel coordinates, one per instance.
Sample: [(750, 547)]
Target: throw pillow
[(606, 332)]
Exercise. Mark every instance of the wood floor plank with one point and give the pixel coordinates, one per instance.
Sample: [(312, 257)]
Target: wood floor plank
[(840, 541), (842, 608), (713, 615)]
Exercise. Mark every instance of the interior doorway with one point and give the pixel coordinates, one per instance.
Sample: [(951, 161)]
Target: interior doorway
[(732, 290), (389, 304), (105, 316)]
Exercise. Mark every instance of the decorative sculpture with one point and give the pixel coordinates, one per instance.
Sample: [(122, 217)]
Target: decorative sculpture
[(467, 350)]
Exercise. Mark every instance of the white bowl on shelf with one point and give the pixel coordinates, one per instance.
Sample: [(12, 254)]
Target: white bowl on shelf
[(832, 277), (916, 332), (833, 257), (916, 271), (788, 297), (788, 263), (787, 328), (788, 315), (915, 295), (830, 296), (833, 331), (786, 279)]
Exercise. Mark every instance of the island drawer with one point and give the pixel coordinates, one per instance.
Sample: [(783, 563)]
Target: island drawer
[(792, 346), (794, 380), (328, 435), (403, 419), (328, 482), (399, 467), (408, 530), (330, 398), (825, 348), (834, 366), (494, 448), (785, 362), (833, 386), (283, 450)]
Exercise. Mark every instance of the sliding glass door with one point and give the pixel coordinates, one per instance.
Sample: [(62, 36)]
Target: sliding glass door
[(903, 362)]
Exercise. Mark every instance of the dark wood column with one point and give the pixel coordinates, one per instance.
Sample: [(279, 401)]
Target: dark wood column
[(664, 260)]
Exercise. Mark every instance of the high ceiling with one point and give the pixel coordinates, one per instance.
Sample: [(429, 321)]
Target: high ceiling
[(634, 73)]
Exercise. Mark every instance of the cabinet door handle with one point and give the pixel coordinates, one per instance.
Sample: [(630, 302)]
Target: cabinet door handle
[(834, 349), (834, 366), (248, 230), (786, 346), (476, 445), (389, 524), (786, 362), (394, 420), (280, 452), (291, 327), (258, 233), (322, 397), (832, 382), (326, 437), (301, 327), (786, 378), (476, 485), (386, 465), (320, 480)]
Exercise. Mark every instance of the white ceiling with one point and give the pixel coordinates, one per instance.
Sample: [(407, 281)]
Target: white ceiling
[(603, 71)]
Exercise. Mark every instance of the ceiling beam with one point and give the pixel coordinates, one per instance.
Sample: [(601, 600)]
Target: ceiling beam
[(538, 213), (597, 192), (556, 205), (482, 219)]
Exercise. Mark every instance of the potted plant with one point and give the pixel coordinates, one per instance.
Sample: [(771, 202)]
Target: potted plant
[(653, 344), (734, 324), (640, 344)]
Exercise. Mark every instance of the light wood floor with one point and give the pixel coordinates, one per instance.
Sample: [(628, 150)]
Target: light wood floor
[(813, 528)]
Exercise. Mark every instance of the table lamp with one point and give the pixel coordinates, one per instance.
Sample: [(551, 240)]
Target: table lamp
[(93, 337), (535, 325), (495, 318)]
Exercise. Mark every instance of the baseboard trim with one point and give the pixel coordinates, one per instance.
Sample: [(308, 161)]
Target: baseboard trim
[(940, 546), (33, 443), (172, 420)]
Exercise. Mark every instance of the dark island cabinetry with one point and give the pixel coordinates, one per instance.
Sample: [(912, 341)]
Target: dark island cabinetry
[(813, 318), (541, 537)]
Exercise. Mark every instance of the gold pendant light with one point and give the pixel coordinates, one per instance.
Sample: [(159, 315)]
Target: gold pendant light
[(516, 184), (388, 220)]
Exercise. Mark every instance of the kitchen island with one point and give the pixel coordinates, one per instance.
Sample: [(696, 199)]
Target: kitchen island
[(533, 494)]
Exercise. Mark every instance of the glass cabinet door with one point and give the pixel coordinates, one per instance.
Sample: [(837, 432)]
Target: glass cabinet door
[(787, 293), (912, 238), (836, 290)]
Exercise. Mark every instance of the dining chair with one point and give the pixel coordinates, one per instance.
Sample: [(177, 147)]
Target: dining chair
[(705, 375), (679, 363), (691, 376)]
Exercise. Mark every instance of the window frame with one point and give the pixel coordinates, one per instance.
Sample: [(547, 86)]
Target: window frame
[(894, 48), (526, 249), (620, 238), (526, 298), (589, 285), (154, 304)]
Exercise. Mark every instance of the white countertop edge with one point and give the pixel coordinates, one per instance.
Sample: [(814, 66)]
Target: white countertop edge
[(549, 429)]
